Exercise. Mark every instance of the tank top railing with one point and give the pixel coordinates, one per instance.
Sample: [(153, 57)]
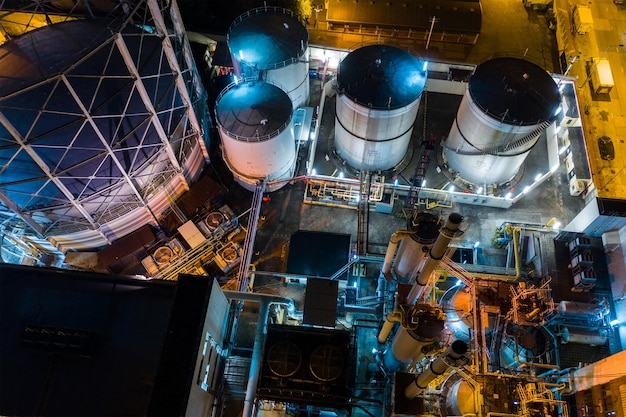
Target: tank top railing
[(242, 17), (257, 137)]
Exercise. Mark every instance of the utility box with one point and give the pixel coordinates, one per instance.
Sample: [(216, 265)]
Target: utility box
[(601, 76), (582, 19)]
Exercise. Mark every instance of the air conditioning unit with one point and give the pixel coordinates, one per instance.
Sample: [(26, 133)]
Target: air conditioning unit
[(214, 220), (577, 186), (228, 256), (163, 255)]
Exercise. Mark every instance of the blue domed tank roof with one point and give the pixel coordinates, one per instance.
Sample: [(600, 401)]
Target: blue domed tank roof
[(253, 110), (514, 91), (267, 38), (381, 76)]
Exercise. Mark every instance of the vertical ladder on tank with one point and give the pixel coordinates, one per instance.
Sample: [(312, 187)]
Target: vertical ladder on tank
[(419, 174), (426, 149), (363, 213)]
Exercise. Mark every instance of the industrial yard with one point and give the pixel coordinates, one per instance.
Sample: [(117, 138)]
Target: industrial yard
[(360, 231)]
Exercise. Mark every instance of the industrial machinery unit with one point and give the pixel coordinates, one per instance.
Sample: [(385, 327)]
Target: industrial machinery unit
[(256, 127), (271, 44), (412, 246), (378, 94), (101, 118), (507, 105)]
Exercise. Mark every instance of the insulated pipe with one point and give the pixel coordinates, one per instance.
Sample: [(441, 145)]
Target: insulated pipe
[(446, 233), (264, 300), (394, 240), (393, 317), (437, 367)]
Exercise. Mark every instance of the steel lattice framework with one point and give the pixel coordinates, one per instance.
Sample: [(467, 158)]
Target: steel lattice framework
[(102, 119)]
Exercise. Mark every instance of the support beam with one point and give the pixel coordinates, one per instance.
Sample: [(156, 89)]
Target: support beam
[(25, 217), (168, 49), (46, 170)]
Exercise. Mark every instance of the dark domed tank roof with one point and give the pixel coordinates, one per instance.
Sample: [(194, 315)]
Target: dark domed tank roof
[(381, 77), (515, 91), (47, 51), (267, 38), (254, 111)]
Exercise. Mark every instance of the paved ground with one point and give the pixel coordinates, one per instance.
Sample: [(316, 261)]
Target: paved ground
[(508, 28)]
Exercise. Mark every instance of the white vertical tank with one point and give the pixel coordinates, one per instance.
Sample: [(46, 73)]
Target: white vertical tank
[(271, 44), (256, 128), (507, 105), (378, 93)]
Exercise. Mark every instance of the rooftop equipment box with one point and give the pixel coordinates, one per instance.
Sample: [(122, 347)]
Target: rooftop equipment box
[(601, 76), (582, 19)]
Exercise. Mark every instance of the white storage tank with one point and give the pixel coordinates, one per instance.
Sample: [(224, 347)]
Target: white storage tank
[(378, 94), (271, 44), (507, 105), (256, 128)]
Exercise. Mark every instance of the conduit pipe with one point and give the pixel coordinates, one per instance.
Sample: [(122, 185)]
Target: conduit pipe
[(516, 254), (436, 253), (437, 367), (265, 301)]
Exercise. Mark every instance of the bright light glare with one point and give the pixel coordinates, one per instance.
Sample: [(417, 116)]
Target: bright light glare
[(614, 322), (537, 177), (526, 189), (508, 195), (425, 66), (340, 174), (556, 225), (480, 190), (313, 172), (451, 188), (476, 244), (558, 110)]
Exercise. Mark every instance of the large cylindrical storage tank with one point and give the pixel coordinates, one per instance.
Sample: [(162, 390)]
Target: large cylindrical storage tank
[(271, 44), (101, 124), (378, 94), (413, 249), (256, 128), (507, 105)]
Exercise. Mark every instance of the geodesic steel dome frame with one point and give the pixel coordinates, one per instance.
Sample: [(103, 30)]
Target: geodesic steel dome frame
[(101, 124)]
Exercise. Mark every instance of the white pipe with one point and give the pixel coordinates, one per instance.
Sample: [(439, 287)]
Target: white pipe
[(393, 317), (394, 240), (264, 300)]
